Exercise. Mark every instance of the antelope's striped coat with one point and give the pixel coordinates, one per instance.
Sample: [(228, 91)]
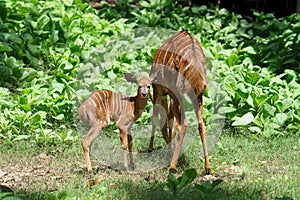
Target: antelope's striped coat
[(180, 62), (179, 67), (105, 105)]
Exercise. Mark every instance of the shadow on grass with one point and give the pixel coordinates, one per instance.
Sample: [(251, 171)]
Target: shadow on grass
[(157, 191), (143, 188)]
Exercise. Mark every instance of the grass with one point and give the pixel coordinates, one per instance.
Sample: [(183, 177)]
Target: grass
[(249, 168)]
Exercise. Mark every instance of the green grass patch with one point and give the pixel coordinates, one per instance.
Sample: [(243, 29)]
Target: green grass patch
[(248, 168)]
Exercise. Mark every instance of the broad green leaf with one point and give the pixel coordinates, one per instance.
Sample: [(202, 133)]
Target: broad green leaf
[(242, 92), (259, 99), (244, 120), (200, 188), (111, 75), (11, 62), (5, 194), (34, 49), (249, 50), (252, 77), (5, 103), (216, 182), (232, 60), (29, 74), (172, 182), (5, 47), (290, 72), (269, 109), (59, 117), (277, 80), (68, 2), (66, 65), (42, 21), (280, 118), (39, 116), (226, 52), (187, 177), (224, 110), (249, 100), (58, 87), (283, 105), (255, 129)]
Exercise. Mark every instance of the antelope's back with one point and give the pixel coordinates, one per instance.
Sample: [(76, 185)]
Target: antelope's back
[(180, 64)]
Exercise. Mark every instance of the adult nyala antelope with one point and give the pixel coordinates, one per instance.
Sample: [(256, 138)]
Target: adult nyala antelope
[(103, 106), (179, 67)]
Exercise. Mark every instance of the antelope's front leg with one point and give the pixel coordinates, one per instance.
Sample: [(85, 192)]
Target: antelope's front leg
[(123, 138), (131, 163)]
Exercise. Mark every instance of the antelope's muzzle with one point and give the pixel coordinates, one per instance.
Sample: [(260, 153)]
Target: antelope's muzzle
[(144, 92)]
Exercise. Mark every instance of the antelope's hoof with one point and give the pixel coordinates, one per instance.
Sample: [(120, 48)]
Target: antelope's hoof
[(172, 170), (149, 153), (124, 169), (208, 172), (131, 167)]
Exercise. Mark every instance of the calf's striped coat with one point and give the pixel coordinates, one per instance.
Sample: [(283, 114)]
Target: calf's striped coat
[(179, 67), (104, 105)]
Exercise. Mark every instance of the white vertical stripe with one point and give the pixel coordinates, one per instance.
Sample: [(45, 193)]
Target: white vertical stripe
[(92, 101), (184, 49), (98, 98), (105, 106), (169, 45)]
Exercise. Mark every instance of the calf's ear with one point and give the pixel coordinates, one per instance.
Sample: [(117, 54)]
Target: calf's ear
[(130, 78)]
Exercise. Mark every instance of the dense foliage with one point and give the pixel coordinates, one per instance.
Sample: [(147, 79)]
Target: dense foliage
[(53, 52)]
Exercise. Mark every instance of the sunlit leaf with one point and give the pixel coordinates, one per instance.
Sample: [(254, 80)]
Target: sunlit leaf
[(249, 50), (59, 117), (280, 118), (244, 120), (255, 129), (68, 2), (224, 110)]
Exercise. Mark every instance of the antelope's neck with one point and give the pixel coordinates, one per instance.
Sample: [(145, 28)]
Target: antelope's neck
[(139, 105)]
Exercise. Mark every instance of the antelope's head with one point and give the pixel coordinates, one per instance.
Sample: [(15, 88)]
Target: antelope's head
[(142, 82)]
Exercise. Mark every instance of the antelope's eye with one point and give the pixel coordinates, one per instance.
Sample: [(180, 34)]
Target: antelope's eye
[(140, 86), (148, 86)]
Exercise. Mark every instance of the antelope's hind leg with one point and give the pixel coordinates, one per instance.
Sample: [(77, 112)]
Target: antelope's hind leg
[(171, 128), (87, 141), (201, 127), (178, 111)]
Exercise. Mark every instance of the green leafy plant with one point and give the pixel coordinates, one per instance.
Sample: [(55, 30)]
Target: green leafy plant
[(175, 185), (54, 53), (8, 196), (208, 188)]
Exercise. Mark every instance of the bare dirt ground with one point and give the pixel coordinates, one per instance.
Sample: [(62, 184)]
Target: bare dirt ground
[(34, 170)]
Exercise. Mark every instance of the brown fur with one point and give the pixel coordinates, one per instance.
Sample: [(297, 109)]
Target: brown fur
[(179, 66), (104, 106)]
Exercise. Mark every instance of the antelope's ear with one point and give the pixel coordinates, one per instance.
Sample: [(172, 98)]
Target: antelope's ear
[(130, 78)]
